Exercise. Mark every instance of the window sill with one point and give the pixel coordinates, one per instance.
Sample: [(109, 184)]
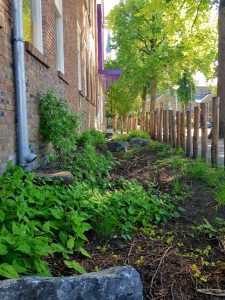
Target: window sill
[(2, 21), (63, 77), (82, 94), (37, 54)]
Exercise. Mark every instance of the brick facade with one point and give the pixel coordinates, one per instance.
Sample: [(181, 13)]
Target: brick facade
[(42, 74)]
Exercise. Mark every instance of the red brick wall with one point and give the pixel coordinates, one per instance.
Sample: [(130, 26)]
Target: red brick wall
[(42, 75)]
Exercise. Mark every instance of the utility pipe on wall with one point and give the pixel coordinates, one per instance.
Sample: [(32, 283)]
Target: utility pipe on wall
[(24, 154)]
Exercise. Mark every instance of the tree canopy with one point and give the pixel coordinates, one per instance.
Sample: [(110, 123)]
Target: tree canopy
[(156, 43)]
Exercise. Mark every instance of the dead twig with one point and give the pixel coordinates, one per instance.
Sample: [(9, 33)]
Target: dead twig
[(159, 265), (130, 251)]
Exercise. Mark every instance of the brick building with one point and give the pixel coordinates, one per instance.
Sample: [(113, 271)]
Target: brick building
[(61, 54)]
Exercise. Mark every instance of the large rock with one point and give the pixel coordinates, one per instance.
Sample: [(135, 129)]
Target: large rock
[(118, 146), (108, 134), (65, 177), (139, 142), (122, 283)]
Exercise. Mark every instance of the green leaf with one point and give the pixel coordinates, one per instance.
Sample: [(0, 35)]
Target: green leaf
[(3, 249), (46, 226), (84, 252), (74, 265), (42, 267), (63, 237), (8, 271), (2, 215), (25, 248), (58, 248), (70, 244), (18, 267)]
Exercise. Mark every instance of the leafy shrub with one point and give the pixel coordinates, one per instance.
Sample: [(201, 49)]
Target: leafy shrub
[(120, 137), (58, 123), (90, 166), (35, 221), (38, 220), (92, 137), (132, 134), (120, 211), (138, 134), (198, 169)]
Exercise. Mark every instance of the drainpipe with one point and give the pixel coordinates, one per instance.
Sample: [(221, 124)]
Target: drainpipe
[(24, 154)]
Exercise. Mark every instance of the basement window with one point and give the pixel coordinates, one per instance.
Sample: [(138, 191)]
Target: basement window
[(59, 37), (32, 23)]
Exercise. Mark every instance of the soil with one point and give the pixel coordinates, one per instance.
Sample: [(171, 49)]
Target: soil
[(175, 260)]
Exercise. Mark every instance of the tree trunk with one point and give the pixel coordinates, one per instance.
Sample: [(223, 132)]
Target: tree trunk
[(143, 105), (153, 94), (221, 67)]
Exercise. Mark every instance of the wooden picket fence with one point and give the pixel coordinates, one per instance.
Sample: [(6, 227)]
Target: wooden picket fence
[(124, 124), (175, 128)]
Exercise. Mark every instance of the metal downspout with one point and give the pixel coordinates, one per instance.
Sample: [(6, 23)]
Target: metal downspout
[(24, 154)]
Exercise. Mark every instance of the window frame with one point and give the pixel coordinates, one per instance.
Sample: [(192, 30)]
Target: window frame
[(60, 54), (79, 57)]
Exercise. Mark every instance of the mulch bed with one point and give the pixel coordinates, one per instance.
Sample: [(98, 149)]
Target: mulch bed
[(174, 259)]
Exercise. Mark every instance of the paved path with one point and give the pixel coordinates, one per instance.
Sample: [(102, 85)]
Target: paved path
[(220, 148)]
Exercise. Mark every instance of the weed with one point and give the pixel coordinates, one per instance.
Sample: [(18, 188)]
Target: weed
[(220, 194)]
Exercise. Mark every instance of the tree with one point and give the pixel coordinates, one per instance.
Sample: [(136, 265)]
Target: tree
[(120, 100), (186, 91), (221, 65), (155, 43)]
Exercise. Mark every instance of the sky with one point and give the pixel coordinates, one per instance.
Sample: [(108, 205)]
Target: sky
[(108, 4)]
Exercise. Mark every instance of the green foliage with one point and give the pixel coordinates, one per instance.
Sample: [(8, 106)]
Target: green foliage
[(90, 166), (124, 209), (58, 123), (92, 137), (220, 193), (36, 221), (138, 134), (156, 43), (214, 229), (132, 134), (186, 91), (120, 137), (198, 169)]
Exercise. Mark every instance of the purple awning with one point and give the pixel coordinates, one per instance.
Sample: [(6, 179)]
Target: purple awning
[(108, 77)]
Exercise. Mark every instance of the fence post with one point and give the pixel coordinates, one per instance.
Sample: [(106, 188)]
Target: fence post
[(156, 123), (196, 132), (215, 130), (166, 126), (188, 144), (173, 129), (178, 129), (170, 127), (182, 130), (160, 125), (203, 121), (147, 121), (127, 124), (121, 125), (115, 123), (153, 125)]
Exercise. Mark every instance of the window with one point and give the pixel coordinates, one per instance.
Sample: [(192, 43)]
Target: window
[(79, 56), (59, 37), (85, 68), (32, 22)]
